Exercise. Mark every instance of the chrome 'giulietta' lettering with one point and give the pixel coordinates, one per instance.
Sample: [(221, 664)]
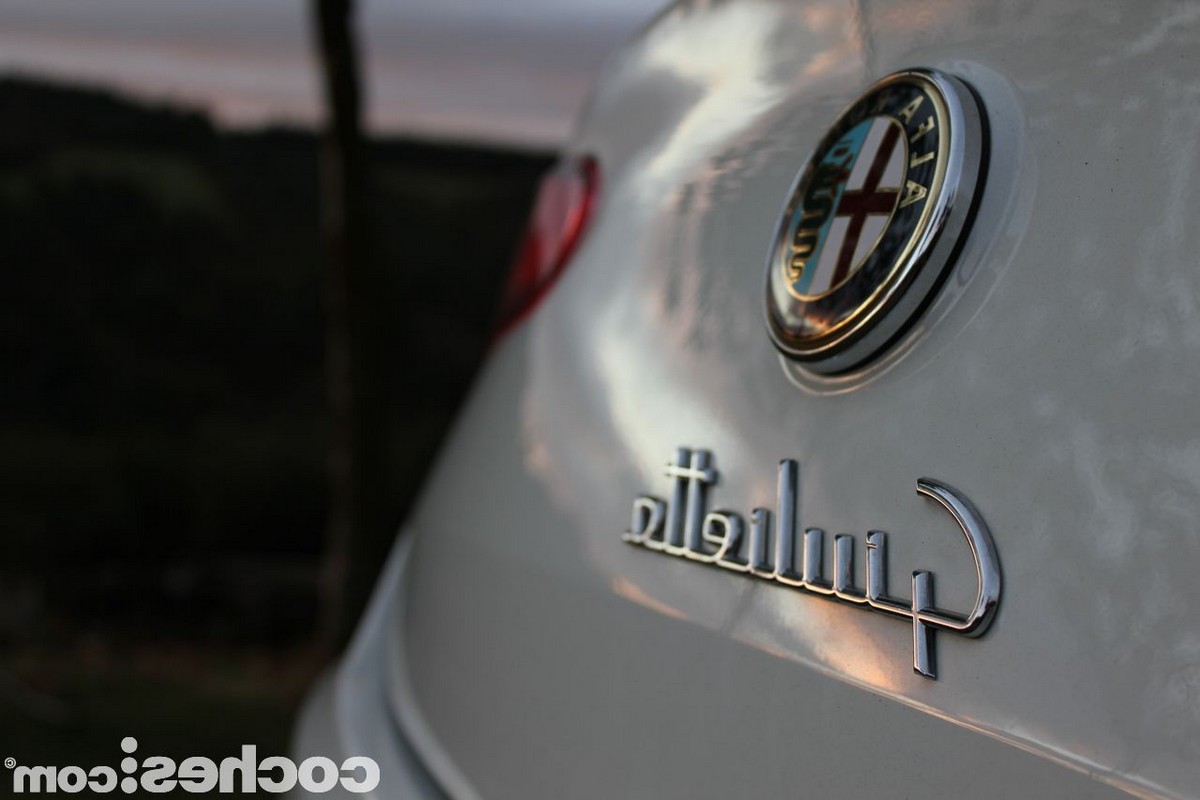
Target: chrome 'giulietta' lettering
[(683, 528)]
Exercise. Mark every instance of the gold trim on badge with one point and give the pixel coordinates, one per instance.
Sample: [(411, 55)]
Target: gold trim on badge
[(826, 329)]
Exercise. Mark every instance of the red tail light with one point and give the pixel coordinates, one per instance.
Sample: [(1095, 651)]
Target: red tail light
[(556, 225)]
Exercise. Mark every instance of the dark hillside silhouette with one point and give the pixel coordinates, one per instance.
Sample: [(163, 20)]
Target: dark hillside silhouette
[(163, 423)]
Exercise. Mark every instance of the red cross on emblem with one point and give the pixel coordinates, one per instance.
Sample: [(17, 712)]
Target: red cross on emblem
[(858, 204)]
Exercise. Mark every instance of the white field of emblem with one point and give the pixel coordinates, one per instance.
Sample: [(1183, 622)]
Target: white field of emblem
[(862, 207)]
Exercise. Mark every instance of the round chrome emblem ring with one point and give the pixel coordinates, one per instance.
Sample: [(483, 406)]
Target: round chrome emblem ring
[(874, 220)]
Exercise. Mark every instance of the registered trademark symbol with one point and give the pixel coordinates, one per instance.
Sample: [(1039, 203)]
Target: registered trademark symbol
[(10, 762)]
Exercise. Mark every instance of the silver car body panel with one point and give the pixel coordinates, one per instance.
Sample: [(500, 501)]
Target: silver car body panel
[(347, 713), (1053, 381)]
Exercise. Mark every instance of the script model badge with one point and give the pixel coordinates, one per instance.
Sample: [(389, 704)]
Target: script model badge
[(684, 527), (874, 220)]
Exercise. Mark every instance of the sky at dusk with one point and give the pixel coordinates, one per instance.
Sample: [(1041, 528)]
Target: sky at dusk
[(506, 72)]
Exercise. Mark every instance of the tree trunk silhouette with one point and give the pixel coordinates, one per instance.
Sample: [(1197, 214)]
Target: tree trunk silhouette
[(353, 291)]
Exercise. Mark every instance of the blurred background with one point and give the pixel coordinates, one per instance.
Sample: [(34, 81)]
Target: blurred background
[(254, 252)]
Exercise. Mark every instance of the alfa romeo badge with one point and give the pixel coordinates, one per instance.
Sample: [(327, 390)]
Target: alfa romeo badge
[(874, 220)]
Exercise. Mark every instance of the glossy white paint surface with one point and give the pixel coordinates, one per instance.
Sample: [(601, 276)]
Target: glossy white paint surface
[(346, 714), (1054, 382)]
